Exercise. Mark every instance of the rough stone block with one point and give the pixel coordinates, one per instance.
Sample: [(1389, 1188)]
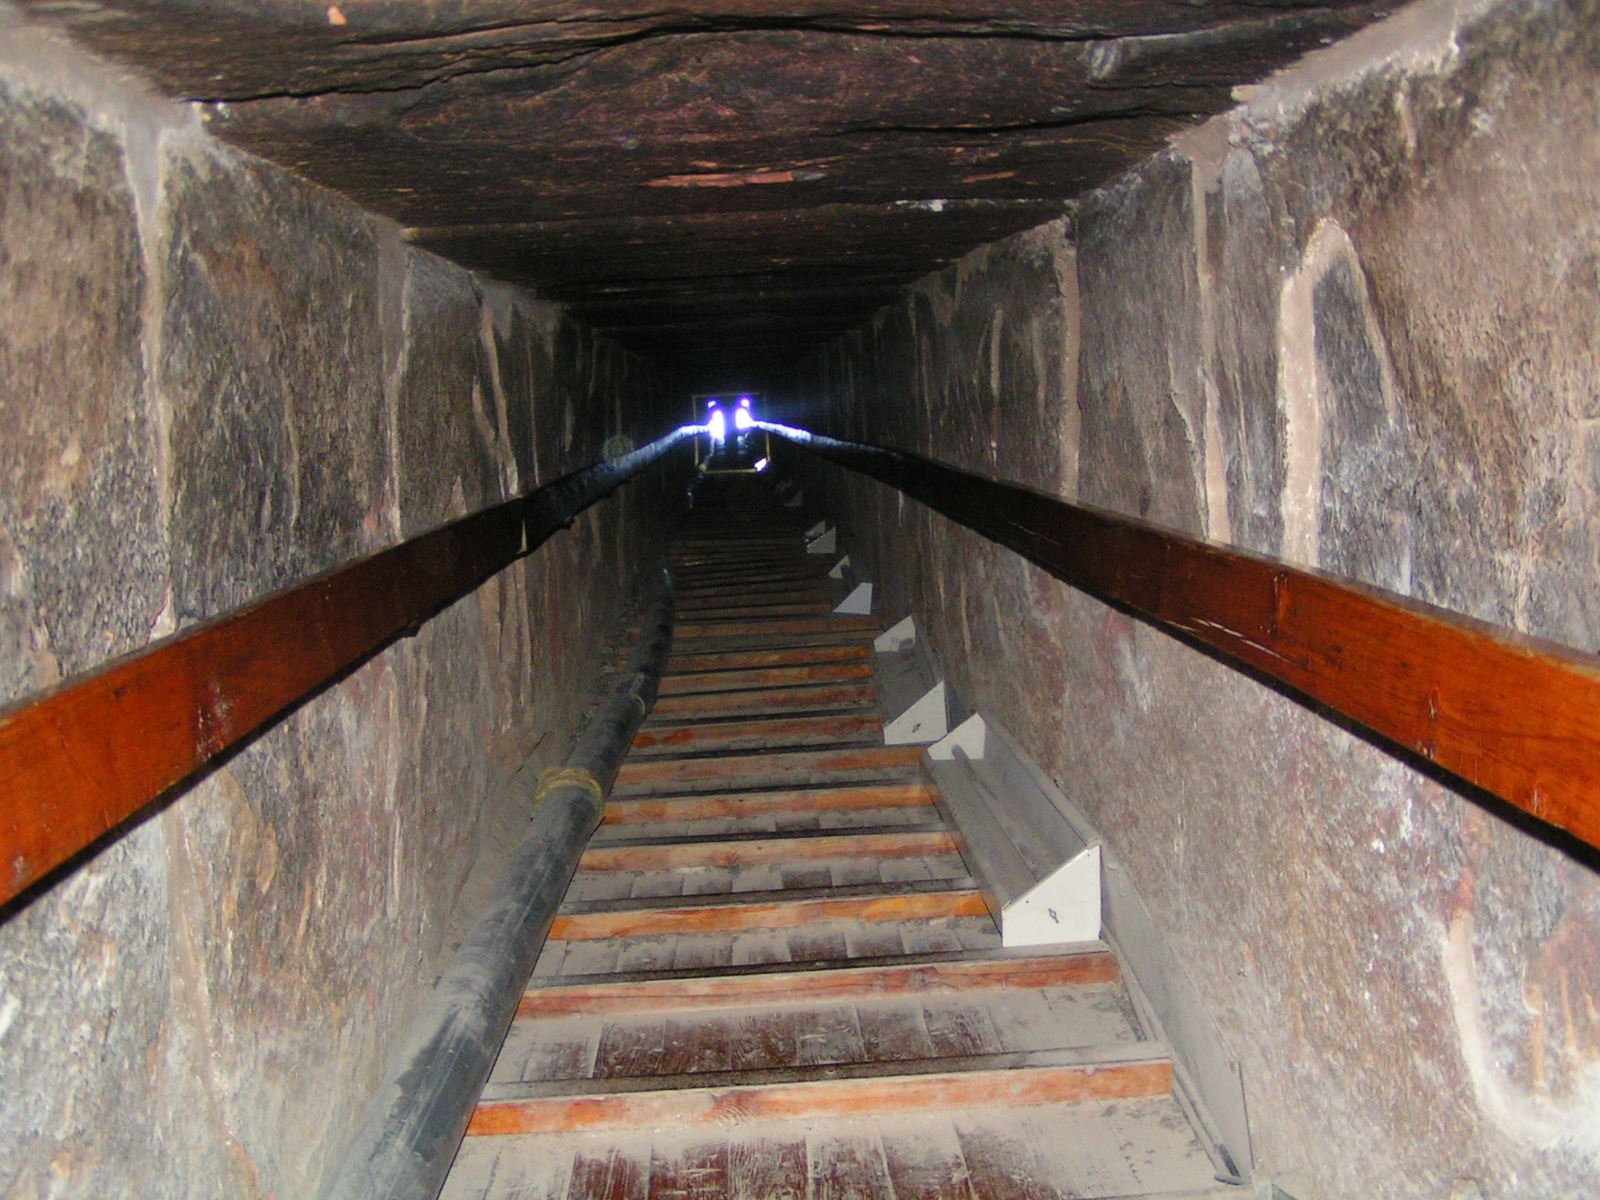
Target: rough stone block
[(446, 434), (83, 558), (271, 373)]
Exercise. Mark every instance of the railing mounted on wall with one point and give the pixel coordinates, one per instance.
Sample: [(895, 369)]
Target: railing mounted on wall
[(81, 759), (1515, 716)]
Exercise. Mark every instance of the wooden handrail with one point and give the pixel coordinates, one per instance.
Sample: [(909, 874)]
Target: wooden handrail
[(1513, 715), (79, 760)]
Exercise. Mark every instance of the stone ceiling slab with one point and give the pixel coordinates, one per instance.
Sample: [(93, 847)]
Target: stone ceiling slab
[(720, 183)]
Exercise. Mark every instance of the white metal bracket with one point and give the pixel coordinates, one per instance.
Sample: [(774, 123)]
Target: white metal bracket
[(924, 721), (839, 568), (858, 602), (898, 636)]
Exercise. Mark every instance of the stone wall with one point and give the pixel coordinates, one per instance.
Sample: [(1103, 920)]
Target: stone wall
[(1352, 323), (214, 381)]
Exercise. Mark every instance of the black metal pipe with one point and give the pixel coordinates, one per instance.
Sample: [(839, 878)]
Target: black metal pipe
[(414, 1125)]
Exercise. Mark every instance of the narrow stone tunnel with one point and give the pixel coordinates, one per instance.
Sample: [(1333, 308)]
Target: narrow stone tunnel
[(287, 286)]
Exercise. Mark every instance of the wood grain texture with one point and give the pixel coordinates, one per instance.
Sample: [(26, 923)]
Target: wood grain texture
[(682, 772), (738, 660), (763, 700), (765, 850), (856, 1089), (693, 631), (714, 681), (781, 914), (769, 732), (1513, 715), (626, 811)]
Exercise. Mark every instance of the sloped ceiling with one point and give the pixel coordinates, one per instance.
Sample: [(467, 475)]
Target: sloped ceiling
[(718, 184)]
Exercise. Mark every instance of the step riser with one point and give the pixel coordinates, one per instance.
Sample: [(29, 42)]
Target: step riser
[(734, 918), (818, 987), (813, 1100), (773, 851)]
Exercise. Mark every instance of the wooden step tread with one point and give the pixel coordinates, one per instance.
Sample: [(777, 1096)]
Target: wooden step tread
[(767, 911), (730, 770), (773, 983), (682, 661), (668, 853), (625, 811), (791, 878), (1133, 1149), (735, 679), (750, 702), (1038, 1077), (825, 942), (758, 732), (778, 626)]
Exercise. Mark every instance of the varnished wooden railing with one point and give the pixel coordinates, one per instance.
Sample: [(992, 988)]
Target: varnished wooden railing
[(81, 759), (1515, 716)]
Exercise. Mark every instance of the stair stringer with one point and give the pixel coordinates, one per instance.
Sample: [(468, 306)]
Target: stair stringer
[(1019, 831)]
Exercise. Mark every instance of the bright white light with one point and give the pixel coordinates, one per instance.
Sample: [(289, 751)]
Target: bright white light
[(744, 401), (742, 419), (718, 427), (761, 464)]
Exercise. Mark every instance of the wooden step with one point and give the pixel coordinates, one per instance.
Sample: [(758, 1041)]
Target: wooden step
[(752, 589), (1031, 1077), (697, 661), (624, 811), (739, 679), (718, 771), (690, 631), (768, 984), (790, 608), (757, 733), (754, 701), (765, 910), (738, 852)]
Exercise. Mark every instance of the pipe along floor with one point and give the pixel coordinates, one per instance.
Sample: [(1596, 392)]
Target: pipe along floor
[(773, 977)]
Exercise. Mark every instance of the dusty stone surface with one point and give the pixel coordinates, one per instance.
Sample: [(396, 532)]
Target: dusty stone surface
[(1354, 323), (199, 352), (447, 464), (1143, 439), (82, 550), (271, 373)]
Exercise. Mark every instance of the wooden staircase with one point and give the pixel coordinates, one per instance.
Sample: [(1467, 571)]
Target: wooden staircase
[(772, 975)]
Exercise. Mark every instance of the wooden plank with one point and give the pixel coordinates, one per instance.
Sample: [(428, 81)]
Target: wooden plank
[(893, 1033), (926, 1164), (642, 810), (767, 1166), (776, 914), (759, 733), (853, 1090), (792, 608), (767, 677), (620, 1172), (742, 853), (639, 773), (691, 631), (1516, 716), (698, 1171), (763, 700), (733, 660), (776, 983), (787, 893), (848, 1167), (674, 838)]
